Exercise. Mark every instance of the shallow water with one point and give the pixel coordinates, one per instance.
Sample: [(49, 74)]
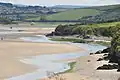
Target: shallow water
[(37, 38), (52, 62)]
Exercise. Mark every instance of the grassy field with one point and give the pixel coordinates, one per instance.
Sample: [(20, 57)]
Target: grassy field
[(101, 24), (73, 14), (44, 24), (52, 24), (55, 24)]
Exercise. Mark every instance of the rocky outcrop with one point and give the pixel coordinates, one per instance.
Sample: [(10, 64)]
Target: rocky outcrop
[(115, 48), (107, 50), (107, 67), (114, 55), (98, 52), (114, 52)]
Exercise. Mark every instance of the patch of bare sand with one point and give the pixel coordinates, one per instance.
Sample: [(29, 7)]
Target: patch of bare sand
[(89, 66), (85, 69), (9, 51)]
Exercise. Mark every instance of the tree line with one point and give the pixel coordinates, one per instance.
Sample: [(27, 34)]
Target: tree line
[(84, 30)]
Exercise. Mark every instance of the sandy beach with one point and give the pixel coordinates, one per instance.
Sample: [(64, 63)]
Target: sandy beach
[(86, 70), (11, 49)]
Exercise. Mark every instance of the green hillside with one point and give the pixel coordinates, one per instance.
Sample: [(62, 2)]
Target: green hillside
[(73, 14), (89, 15)]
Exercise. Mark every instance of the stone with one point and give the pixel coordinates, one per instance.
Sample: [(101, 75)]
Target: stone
[(106, 50)]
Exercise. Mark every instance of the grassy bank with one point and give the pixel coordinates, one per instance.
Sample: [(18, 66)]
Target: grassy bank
[(71, 64), (80, 41), (69, 40)]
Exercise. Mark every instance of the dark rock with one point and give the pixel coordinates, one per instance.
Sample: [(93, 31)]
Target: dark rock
[(108, 67), (118, 70), (91, 53), (87, 37), (10, 27), (118, 66), (89, 60), (105, 55), (113, 58), (20, 30), (106, 58), (106, 50), (51, 34), (100, 59), (98, 52)]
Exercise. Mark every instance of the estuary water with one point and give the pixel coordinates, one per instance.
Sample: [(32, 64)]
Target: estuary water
[(52, 62)]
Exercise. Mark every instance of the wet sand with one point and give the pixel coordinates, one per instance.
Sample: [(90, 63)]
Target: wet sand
[(12, 49), (86, 70)]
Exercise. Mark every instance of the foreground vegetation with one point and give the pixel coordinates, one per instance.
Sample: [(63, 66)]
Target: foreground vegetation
[(72, 65), (115, 46)]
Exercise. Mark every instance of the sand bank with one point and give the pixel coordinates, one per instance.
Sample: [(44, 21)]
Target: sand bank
[(85, 69), (11, 51)]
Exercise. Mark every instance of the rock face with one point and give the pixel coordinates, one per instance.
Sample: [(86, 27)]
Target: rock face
[(107, 67), (98, 52), (118, 65), (107, 50), (51, 34)]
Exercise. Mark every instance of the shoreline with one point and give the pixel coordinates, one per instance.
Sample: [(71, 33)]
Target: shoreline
[(12, 50), (79, 40), (88, 70), (91, 72)]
